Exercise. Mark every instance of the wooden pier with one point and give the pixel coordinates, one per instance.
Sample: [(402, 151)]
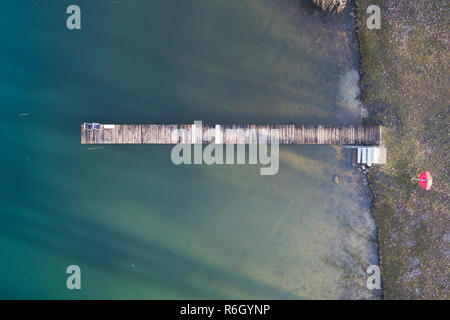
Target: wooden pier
[(198, 133)]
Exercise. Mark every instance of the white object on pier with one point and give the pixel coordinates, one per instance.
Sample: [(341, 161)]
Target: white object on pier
[(369, 154), (218, 138)]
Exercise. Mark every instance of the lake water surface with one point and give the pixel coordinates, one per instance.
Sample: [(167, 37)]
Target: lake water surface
[(140, 226)]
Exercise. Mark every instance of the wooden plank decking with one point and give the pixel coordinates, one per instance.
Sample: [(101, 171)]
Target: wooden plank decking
[(231, 134)]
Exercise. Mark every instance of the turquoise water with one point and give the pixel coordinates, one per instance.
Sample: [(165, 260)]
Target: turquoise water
[(139, 226)]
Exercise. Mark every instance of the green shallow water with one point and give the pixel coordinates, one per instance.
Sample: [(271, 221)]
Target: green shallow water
[(140, 226)]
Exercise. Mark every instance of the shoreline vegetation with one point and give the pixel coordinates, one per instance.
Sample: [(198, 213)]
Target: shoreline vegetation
[(404, 69), (404, 84), (331, 5)]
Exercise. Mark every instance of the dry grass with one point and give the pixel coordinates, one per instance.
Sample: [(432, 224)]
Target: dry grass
[(405, 68), (331, 5)]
